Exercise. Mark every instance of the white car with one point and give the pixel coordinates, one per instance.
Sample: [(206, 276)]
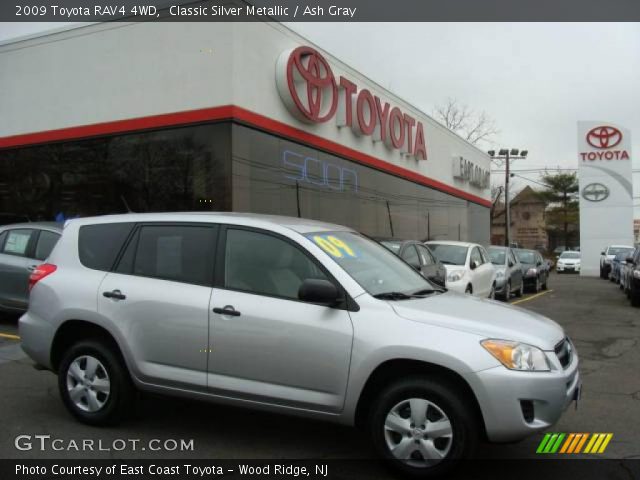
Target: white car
[(469, 269), (569, 261), (606, 257)]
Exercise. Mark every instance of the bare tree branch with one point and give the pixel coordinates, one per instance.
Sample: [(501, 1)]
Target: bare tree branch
[(470, 125)]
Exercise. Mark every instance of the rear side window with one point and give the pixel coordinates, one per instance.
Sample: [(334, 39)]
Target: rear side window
[(46, 241), (410, 255), (17, 242), (181, 253), (99, 245)]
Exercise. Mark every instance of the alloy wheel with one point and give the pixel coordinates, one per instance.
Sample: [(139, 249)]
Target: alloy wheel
[(88, 383), (418, 432)]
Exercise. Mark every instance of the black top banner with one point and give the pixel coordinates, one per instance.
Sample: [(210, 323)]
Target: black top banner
[(320, 10)]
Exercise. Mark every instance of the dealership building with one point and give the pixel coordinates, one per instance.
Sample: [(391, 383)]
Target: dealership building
[(117, 117)]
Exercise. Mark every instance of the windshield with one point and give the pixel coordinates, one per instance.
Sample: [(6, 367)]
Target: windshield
[(573, 255), (617, 250), (393, 246), (497, 255), (525, 256), (449, 254), (373, 266)]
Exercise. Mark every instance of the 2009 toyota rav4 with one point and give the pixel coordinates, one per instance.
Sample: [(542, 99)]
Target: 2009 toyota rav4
[(293, 316)]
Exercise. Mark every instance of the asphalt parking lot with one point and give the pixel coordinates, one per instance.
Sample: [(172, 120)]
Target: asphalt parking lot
[(596, 315)]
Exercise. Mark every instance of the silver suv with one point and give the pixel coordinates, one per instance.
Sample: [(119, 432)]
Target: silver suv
[(294, 316)]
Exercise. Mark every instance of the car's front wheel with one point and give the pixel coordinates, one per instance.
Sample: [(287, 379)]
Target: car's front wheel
[(94, 383), (420, 424)]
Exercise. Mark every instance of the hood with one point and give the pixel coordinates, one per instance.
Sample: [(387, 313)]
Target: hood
[(486, 318)]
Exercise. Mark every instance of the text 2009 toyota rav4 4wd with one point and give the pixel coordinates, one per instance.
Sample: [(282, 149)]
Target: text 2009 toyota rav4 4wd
[(293, 316)]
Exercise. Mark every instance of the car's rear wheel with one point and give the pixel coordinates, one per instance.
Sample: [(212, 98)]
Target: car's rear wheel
[(94, 383), (634, 296), (420, 424)]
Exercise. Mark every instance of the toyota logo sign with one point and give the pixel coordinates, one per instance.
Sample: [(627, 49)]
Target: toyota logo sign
[(604, 137), (311, 85), (312, 93), (595, 192)]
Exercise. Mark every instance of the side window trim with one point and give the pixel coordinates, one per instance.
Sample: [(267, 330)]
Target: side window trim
[(220, 265)]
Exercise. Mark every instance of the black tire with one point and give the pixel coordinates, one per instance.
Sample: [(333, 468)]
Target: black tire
[(121, 396), (634, 296), (602, 274), (507, 292), (469, 290), (465, 426), (546, 280)]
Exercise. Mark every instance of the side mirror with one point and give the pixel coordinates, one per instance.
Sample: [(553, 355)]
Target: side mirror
[(538, 263), (474, 264), (511, 264), (629, 260), (319, 291), (601, 253)]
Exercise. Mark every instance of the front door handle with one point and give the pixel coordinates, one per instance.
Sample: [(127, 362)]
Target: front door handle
[(227, 310), (114, 294)]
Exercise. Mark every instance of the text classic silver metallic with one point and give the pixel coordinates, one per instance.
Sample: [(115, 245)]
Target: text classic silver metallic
[(294, 316)]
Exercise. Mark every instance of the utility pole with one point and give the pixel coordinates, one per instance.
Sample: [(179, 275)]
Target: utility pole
[(507, 207), (507, 155)]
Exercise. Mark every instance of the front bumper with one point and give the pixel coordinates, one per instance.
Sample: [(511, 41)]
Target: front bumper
[(502, 393)]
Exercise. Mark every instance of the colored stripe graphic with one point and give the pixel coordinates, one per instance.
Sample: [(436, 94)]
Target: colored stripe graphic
[(572, 443)]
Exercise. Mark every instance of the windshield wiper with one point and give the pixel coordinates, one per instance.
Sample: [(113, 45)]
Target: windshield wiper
[(447, 262), (392, 296), (404, 296)]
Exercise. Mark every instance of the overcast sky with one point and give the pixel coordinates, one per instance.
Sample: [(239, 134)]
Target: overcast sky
[(535, 80)]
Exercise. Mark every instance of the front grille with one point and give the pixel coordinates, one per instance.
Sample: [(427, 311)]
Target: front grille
[(527, 410), (564, 352)]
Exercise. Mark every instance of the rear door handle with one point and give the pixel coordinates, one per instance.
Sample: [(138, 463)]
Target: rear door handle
[(114, 294), (227, 310)]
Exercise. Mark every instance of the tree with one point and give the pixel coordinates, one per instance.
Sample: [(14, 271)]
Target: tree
[(496, 193), (471, 125), (562, 195)]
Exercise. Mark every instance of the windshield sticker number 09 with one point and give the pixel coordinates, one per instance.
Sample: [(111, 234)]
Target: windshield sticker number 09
[(334, 246)]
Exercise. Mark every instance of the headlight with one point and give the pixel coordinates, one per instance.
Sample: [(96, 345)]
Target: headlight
[(607, 261), (636, 274), (499, 273), (517, 356), (455, 276), (531, 272)]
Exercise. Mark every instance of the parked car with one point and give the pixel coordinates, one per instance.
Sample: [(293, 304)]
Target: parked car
[(606, 257), (535, 271), (626, 270), (469, 269), (508, 272), (417, 255), (633, 278), (616, 264), (568, 262), (22, 247), (296, 316)]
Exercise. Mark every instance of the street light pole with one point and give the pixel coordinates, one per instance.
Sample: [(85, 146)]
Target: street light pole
[(507, 208), (507, 155)]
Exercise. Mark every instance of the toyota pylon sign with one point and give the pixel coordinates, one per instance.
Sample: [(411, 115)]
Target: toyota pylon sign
[(606, 190)]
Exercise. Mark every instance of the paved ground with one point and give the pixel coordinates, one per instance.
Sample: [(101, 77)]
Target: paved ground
[(605, 329)]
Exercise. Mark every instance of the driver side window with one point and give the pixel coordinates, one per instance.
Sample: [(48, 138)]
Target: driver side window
[(476, 257), (266, 265)]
